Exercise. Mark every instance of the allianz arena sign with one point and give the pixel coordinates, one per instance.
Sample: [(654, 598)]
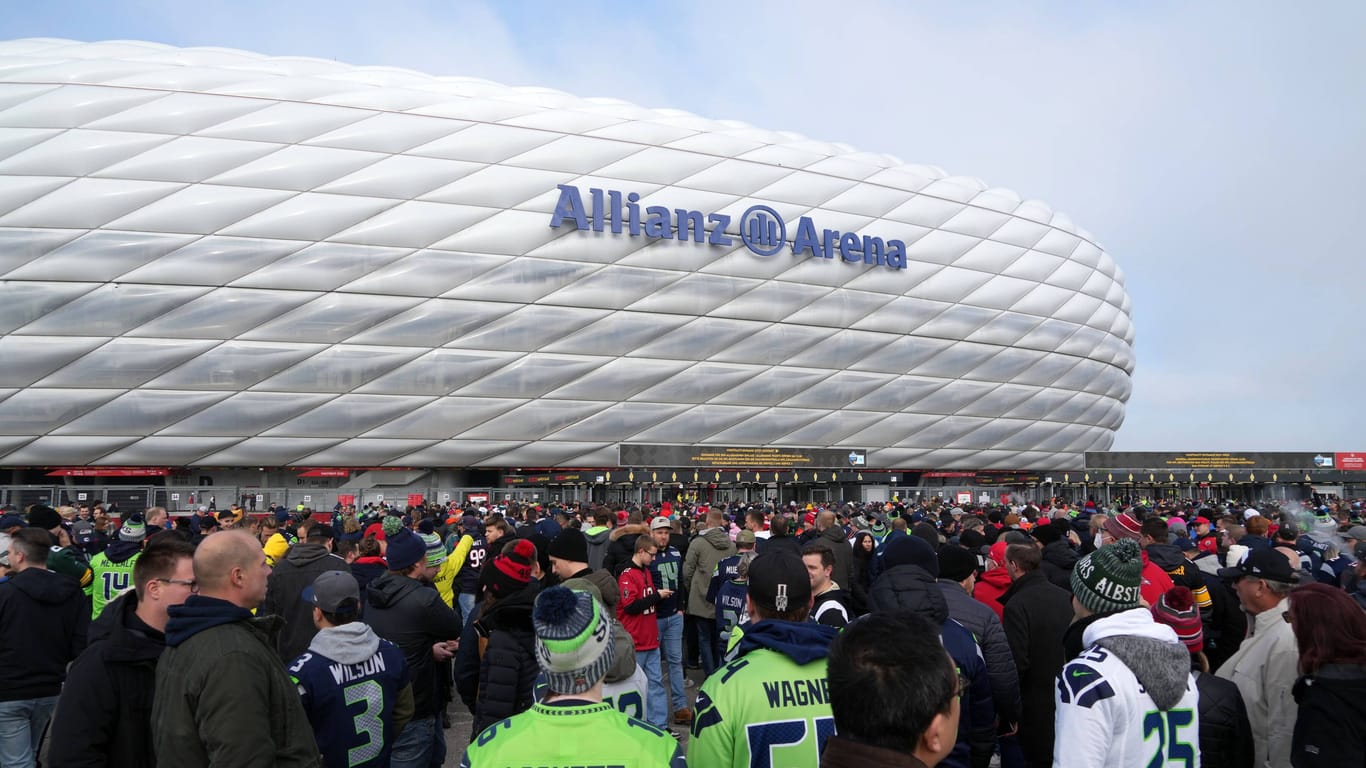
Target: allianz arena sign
[(760, 228), (210, 257)]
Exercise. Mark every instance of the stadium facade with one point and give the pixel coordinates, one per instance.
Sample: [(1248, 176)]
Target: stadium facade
[(216, 258)]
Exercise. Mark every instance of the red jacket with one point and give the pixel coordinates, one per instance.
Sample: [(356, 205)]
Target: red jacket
[(990, 586), (636, 610), (1156, 582)]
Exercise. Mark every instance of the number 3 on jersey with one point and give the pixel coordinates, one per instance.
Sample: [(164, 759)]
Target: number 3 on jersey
[(765, 737)]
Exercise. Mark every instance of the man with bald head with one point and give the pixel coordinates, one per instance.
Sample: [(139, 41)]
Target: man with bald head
[(222, 696), (833, 534)]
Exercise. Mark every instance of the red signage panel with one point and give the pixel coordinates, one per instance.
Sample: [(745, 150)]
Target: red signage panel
[(415, 500), (346, 499), (1351, 461), (326, 473)]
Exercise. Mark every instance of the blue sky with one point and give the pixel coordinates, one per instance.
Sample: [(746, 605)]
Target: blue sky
[(1216, 149)]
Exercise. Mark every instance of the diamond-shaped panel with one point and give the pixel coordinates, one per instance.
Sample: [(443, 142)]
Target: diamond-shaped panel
[(274, 261)]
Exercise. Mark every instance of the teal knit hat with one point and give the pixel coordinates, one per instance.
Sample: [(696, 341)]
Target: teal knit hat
[(1108, 580), (134, 530)]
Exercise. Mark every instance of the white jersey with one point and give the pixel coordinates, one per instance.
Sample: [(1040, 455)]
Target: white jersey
[(1105, 717), (629, 695)]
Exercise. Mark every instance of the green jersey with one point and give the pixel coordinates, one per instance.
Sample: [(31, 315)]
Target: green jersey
[(573, 733), (109, 580), (770, 707)]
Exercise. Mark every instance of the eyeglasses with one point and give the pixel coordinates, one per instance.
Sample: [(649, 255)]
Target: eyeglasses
[(191, 583)]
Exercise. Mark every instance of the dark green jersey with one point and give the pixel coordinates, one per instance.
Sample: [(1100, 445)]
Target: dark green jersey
[(573, 733)]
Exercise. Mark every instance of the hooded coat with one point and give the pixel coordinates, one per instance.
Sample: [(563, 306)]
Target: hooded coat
[(284, 595), (621, 545), (986, 627), (411, 615), (1129, 698), (508, 668), (990, 587), (1059, 558), (706, 552), (1331, 727), (329, 709), (44, 619), (911, 587), (104, 717), (598, 538), (222, 695), (844, 554)]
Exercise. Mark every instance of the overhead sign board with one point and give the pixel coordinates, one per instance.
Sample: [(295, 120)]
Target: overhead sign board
[(740, 456), (1199, 460)]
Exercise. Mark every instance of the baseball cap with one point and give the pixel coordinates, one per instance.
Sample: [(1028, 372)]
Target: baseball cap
[(745, 537), (660, 522), (12, 520), (331, 590), (778, 581), (1184, 544), (1357, 532), (1200, 520), (1262, 563)]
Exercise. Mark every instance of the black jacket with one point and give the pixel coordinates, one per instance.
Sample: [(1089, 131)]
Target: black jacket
[(1058, 560), (786, 543), (1225, 733), (1037, 614), (284, 595), (508, 668), (911, 587), (621, 544), (44, 618), (1332, 718), (104, 717), (414, 617)]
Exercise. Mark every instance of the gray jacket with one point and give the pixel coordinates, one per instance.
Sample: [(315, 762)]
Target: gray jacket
[(981, 621), (706, 551)]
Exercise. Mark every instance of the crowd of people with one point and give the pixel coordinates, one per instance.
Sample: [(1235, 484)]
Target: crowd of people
[(920, 633)]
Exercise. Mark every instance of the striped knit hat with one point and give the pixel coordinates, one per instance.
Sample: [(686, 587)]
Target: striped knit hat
[(436, 551), (511, 570), (1176, 608), (134, 529), (1122, 526), (573, 639)]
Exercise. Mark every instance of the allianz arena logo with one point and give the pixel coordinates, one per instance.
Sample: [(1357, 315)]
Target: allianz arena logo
[(762, 229)]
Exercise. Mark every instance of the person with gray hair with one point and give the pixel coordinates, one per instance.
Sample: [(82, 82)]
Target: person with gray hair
[(1264, 666)]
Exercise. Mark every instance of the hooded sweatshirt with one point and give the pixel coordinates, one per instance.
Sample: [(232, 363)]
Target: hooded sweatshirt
[(599, 536), (44, 620), (337, 659), (777, 678), (704, 555), (1129, 698)]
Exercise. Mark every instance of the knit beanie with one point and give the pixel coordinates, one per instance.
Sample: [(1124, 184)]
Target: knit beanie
[(1176, 608), (511, 570), (436, 551), (426, 526), (910, 550), (391, 525), (404, 550), (134, 529), (956, 563), (573, 639), (43, 516), (1122, 526), (570, 545), (1107, 580)]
